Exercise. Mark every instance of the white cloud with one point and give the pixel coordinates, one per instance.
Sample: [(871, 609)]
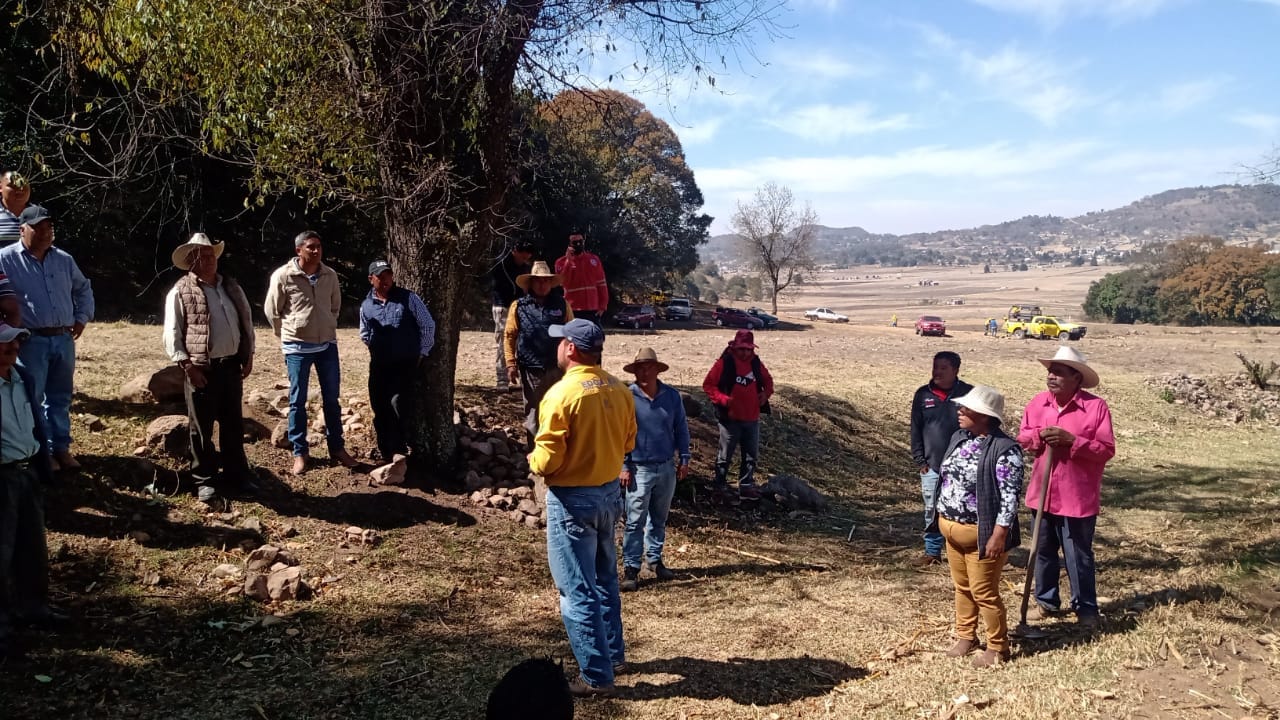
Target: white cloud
[(850, 173), (1262, 122), (828, 123), (825, 66), (1054, 11), (700, 131), (1035, 85), (1184, 96)]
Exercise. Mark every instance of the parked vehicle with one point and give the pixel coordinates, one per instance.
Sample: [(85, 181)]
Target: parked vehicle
[(733, 317), (636, 316), (1045, 327), (931, 325), (825, 314), (770, 321), (677, 309)]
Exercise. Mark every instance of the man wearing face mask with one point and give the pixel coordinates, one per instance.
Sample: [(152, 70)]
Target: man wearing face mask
[(582, 276)]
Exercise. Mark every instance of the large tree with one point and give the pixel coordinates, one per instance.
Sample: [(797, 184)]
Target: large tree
[(1226, 287), (636, 196), (402, 104), (776, 237)]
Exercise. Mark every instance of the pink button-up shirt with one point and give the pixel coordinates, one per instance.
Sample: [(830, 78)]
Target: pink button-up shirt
[(1076, 481)]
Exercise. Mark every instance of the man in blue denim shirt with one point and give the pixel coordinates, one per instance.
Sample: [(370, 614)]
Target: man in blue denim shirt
[(649, 473), (56, 304), (934, 419)]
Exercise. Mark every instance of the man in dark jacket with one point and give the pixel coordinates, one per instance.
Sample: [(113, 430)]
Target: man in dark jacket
[(934, 420), (25, 468), (399, 331), (529, 350), (739, 387), (505, 291)]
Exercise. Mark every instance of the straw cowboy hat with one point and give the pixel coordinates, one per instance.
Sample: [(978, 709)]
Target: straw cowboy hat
[(181, 254), (540, 269), (1072, 358), (983, 399), (646, 355)]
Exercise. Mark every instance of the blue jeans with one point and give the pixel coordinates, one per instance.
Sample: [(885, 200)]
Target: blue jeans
[(52, 364), (732, 434), (1075, 537), (580, 551), (930, 484), (329, 373), (648, 504)]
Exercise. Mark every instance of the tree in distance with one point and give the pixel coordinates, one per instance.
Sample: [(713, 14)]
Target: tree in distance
[(776, 237)]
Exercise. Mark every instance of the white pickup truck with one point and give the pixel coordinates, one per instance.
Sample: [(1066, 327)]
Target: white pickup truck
[(825, 314)]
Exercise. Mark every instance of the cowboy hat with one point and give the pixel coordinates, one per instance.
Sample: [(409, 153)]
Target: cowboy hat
[(743, 338), (983, 399), (1072, 358), (181, 254), (540, 269), (646, 355)]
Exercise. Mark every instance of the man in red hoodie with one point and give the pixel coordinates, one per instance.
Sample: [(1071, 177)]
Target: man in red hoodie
[(582, 276), (739, 386)]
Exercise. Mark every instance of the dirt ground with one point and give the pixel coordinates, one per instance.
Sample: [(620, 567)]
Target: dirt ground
[(773, 614)]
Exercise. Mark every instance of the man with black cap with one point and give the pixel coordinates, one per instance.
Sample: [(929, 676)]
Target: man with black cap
[(208, 332), (24, 471), (505, 291), (587, 424), (583, 276), (399, 331), (56, 303)]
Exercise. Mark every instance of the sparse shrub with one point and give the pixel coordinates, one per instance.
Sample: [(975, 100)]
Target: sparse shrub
[(1259, 376), (1167, 395)]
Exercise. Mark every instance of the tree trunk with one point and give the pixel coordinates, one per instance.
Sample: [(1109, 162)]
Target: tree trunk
[(774, 298)]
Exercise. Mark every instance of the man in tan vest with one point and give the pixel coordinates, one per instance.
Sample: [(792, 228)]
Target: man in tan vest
[(208, 332)]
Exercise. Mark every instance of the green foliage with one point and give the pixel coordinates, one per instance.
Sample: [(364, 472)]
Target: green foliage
[(1258, 374), (711, 296), (1124, 297), (1167, 395)]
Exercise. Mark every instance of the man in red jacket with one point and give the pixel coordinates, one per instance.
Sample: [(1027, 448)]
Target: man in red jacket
[(582, 276), (739, 386)]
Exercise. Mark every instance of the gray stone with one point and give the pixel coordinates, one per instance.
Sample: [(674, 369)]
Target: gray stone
[(529, 507), (168, 433), (391, 473), (285, 583), (262, 558), (255, 586), (161, 386), (94, 423), (228, 571), (279, 436)]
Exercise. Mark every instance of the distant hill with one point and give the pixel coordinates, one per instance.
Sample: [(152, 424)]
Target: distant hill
[(1238, 213)]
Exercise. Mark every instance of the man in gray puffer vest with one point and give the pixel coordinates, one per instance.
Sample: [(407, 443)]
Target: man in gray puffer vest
[(208, 332)]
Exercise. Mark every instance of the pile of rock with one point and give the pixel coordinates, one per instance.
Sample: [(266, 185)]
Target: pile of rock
[(498, 475), (270, 574), (1231, 398)]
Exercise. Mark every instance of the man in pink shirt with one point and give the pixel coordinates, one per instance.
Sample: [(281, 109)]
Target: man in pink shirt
[(1077, 425)]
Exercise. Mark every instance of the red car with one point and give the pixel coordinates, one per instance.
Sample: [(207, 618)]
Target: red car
[(931, 325), (636, 316), (733, 317)]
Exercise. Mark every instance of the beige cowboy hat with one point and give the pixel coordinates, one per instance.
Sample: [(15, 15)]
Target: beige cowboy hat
[(646, 355), (540, 269), (1072, 358), (983, 399), (182, 253)]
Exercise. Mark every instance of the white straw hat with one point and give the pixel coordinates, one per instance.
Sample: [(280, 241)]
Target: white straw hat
[(983, 399), (1072, 358)]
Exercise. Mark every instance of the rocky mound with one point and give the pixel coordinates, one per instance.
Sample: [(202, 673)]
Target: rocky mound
[(1231, 398)]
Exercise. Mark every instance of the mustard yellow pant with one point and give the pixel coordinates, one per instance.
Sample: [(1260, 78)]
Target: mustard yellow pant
[(977, 585)]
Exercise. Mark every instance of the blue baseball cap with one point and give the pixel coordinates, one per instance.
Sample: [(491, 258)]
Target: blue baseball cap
[(377, 267), (584, 334)]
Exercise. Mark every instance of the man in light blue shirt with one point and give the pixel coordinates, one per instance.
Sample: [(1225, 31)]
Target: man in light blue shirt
[(24, 470), (649, 472), (56, 303)]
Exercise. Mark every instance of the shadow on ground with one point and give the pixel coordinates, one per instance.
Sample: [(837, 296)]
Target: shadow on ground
[(745, 681)]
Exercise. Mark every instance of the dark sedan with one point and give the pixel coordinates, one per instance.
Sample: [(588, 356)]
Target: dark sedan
[(770, 321)]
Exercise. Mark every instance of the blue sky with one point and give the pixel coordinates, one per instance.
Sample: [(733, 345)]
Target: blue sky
[(920, 115)]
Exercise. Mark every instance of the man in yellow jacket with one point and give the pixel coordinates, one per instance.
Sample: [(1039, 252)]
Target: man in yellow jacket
[(586, 425)]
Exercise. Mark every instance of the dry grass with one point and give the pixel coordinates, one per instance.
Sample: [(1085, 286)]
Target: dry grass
[(423, 624)]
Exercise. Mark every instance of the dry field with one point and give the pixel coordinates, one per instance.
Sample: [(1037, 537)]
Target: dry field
[(772, 616)]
